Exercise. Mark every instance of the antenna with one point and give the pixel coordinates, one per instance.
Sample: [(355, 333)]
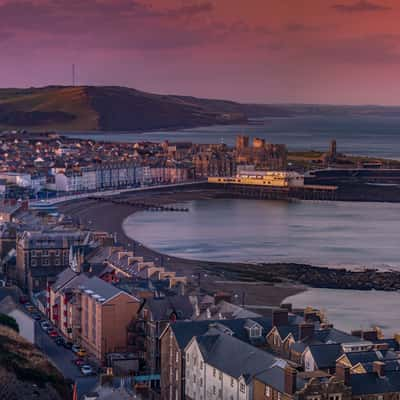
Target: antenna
[(73, 74)]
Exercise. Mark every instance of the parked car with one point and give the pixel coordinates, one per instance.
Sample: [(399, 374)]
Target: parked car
[(79, 362), (23, 299), (45, 325), (75, 348), (53, 333), (81, 353), (36, 317), (87, 370), (58, 340), (67, 344)]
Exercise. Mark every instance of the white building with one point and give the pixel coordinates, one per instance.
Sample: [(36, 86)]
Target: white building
[(25, 323), (17, 178), (219, 366)]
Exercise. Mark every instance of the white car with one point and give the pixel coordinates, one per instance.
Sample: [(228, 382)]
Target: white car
[(45, 325), (87, 370), (75, 348)]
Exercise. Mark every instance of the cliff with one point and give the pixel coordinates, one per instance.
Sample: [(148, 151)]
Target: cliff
[(25, 373)]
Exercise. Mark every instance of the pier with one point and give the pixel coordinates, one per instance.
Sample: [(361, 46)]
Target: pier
[(139, 205), (306, 192)]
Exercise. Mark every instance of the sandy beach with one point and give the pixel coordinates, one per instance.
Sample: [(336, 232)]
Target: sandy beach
[(213, 276)]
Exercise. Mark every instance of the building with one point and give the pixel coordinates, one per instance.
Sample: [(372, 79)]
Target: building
[(177, 335), (25, 322), (219, 366), (92, 312), (156, 314), (284, 382), (263, 155), (278, 179), (42, 255)]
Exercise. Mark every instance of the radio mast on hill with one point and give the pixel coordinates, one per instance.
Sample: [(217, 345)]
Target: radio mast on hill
[(73, 74)]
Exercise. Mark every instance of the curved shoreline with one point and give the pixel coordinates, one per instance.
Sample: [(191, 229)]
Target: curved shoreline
[(282, 279)]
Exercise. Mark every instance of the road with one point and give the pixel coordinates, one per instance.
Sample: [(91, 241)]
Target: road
[(62, 358)]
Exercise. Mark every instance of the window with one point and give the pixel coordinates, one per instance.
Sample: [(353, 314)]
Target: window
[(313, 397), (194, 378), (220, 393), (45, 253), (214, 372), (33, 263), (45, 261), (242, 388), (187, 358), (201, 381), (335, 396), (176, 357), (214, 390), (267, 391), (220, 375), (232, 382), (201, 364)]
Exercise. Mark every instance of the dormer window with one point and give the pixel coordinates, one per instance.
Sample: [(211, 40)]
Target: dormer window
[(255, 331)]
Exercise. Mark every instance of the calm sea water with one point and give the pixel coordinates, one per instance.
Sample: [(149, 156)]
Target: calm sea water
[(319, 233), (377, 136), (352, 309)]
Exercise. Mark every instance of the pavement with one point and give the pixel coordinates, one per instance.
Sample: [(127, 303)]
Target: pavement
[(63, 358)]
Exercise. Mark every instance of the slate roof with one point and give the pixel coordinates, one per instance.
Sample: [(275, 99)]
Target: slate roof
[(185, 330), (232, 356), (161, 308), (363, 357), (333, 335), (275, 378), (372, 383), (325, 355), (63, 278)]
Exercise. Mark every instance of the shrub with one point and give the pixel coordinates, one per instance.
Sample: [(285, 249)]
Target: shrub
[(9, 321)]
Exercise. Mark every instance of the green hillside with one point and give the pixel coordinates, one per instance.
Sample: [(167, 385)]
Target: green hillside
[(108, 108)]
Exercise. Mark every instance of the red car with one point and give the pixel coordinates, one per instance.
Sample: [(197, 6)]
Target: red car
[(79, 362), (53, 333)]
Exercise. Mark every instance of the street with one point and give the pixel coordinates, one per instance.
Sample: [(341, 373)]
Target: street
[(63, 358)]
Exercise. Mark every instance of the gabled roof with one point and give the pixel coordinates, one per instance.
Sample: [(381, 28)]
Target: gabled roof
[(162, 308), (63, 278), (184, 331), (372, 383), (325, 355), (233, 356)]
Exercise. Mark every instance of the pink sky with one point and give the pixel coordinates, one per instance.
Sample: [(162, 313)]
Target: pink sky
[(313, 51)]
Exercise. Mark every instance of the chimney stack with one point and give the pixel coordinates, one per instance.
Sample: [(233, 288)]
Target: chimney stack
[(280, 317), (379, 368), (372, 335), (305, 331), (343, 373), (290, 380)]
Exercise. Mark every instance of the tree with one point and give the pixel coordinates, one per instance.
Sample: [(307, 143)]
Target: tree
[(9, 321)]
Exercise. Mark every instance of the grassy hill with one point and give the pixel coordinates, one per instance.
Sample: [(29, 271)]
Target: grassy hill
[(25, 373), (109, 108)]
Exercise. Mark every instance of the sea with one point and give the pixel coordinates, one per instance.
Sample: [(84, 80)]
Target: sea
[(374, 136), (334, 234)]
